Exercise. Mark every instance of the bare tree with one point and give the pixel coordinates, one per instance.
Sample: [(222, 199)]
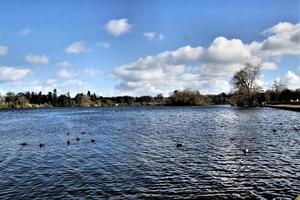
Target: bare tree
[(245, 84), (278, 86)]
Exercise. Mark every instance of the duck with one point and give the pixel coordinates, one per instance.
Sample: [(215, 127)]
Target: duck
[(93, 141), (41, 145), (274, 130), (68, 142), (178, 145), (23, 144), (245, 151), (77, 139), (68, 133), (83, 132)]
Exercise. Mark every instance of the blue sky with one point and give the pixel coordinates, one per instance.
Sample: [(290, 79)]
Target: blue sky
[(145, 47)]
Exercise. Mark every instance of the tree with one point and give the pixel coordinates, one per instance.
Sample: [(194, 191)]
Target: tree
[(10, 97), (278, 86), (245, 84), (89, 94), (54, 97), (186, 97), (22, 102)]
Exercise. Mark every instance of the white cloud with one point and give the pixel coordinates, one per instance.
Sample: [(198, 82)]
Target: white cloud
[(2, 93), (67, 73), (3, 50), (284, 38), (150, 36), (269, 66), (64, 64), (292, 80), (72, 73), (37, 59), (25, 32), (104, 45), (73, 86), (223, 50), (77, 47), (117, 27), (12, 73), (206, 69)]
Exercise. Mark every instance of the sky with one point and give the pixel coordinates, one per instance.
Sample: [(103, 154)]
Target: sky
[(145, 47)]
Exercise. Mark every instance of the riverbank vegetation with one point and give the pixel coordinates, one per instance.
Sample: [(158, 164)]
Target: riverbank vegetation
[(37, 100), (177, 98), (245, 92)]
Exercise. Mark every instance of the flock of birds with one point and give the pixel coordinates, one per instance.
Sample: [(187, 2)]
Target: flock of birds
[(68, 141), (178, 145), (244, 150)]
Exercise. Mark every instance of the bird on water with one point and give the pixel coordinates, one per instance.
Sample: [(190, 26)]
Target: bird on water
[(93, 141), (245, 151), (77, 139), (68, 142), (179, 145), (41, 145)]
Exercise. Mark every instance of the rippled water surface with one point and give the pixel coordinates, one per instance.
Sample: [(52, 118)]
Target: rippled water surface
[(135, 154)]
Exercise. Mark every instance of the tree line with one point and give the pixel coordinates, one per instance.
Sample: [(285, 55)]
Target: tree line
[(52, 99), (245, 92)]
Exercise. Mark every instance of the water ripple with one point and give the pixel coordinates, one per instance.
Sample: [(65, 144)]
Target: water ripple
[(135, 154)]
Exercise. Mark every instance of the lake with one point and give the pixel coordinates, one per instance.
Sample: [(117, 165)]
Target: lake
[(135, 155)]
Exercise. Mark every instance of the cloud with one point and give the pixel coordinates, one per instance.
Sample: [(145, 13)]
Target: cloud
[(90, 72), (117, 27), (25, 32), (284, 38), (3, 50), (12, 73), (206, 69), (64, 64), (72, 73), (104, 45), (269, 66), (67, 73), (73, 86), (37, 60), (150, 36), (292, 80), (77, 47)]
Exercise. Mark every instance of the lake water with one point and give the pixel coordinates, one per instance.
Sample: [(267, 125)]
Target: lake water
[(135, 154)]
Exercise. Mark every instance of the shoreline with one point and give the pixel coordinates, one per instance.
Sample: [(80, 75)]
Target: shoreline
[(286, 107), (113, 106), (290, 107)]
